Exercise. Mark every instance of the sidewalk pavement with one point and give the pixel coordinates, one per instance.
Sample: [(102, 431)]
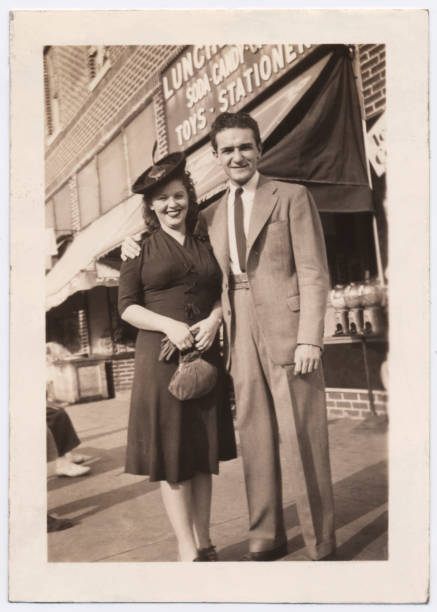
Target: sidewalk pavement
[(120, 517)]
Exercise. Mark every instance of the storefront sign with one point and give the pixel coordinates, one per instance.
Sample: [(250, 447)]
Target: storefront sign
[(205, 81)]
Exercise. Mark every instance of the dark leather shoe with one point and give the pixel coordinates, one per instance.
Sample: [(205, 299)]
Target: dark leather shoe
[(266, 555), (332, 556), (207, 554), (57, 524)]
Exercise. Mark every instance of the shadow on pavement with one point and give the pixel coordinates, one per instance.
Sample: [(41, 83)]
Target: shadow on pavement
[(367, 488), (354, 497), (102, 501), (100, 461), (360, 540), (100, 434)]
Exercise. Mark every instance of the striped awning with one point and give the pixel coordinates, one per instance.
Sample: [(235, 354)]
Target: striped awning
[(79, 268)]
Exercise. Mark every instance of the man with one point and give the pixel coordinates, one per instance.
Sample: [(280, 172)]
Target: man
[(267, 238)]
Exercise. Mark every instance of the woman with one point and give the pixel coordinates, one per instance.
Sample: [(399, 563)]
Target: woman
[(173, 290)]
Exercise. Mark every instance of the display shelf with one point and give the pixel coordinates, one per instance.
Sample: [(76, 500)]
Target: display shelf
[(347, 339)]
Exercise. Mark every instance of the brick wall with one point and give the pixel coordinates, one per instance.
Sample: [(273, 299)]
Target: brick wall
[(90, 117), (160, 124), (86, 116), (341, 403), (123, 373), (373, 67), (354, 403), (72, 74)]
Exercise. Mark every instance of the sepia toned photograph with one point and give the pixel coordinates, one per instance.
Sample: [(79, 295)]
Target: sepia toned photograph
[(316, 134), (216, 326)]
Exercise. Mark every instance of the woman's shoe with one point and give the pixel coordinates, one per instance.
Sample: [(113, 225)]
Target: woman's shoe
[(74, 458), (72, 470), (207, 554), (198, 558)]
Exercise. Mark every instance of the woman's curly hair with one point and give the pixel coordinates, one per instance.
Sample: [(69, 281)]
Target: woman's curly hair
[(150, 218)]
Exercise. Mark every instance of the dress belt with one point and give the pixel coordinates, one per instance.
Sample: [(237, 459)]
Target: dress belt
[(238, 281)]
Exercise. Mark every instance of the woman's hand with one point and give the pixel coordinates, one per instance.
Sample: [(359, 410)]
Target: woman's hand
[(205, 332), (179, 333)]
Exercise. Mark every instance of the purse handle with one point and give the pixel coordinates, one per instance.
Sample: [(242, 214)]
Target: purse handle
[(168, 349)]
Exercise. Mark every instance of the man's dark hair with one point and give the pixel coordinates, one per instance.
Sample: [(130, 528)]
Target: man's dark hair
[(233, 120)]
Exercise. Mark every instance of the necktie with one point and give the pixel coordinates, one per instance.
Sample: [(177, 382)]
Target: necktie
[(240, 236)]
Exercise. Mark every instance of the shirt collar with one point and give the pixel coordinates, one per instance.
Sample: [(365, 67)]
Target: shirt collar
[(250, 186)]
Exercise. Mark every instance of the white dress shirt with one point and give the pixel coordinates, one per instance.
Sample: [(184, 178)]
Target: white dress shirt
[(247, 197)]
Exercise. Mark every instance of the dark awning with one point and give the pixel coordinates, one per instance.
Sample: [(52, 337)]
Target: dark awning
[(207, 176), (320, 141)]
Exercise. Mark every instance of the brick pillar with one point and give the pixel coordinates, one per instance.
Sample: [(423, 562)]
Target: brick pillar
[(126, 162), (372, 62), (83, 331), (74, 200), (160, 124)]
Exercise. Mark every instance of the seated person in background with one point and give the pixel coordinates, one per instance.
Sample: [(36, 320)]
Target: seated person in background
[(65, 438), (54, 523)]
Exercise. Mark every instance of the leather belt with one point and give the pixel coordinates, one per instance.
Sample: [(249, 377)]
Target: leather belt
[(238, 281)]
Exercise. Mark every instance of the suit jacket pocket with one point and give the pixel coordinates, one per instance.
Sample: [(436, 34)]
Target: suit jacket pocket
[(293, 303), (274, 221)]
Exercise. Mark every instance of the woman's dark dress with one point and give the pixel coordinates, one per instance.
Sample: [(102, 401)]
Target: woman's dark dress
[(170, 439)]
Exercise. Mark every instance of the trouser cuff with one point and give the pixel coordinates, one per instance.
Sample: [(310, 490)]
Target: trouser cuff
[(264, 545), (322, 550)]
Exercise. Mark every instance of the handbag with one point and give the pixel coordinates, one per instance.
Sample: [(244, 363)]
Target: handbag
[(194, 377)]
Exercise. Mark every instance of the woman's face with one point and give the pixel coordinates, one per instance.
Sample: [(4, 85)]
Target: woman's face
[(170, 204)]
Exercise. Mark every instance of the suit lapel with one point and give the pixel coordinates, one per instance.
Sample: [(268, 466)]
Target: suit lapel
[(263, 204), (218, 233)]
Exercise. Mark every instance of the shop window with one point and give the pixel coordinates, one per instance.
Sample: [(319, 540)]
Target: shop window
[(99, 321), (98, 64), (140, 136), (50, 214), (88, 192), (123, 334), (350, 246), (112, 174), (343, 365), (51, 247), (62, 324), (51, 97), (62, 211)]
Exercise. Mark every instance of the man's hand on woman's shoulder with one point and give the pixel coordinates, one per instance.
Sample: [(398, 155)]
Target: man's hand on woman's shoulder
[(130, 247)]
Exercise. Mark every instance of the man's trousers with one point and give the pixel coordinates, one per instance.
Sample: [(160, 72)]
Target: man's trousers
[(272, 404)]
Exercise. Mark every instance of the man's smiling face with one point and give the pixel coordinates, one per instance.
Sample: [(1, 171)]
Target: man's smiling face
[(237, 153)]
